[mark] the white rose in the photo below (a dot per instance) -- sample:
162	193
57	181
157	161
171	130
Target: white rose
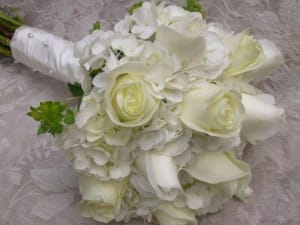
254	59
128	101
272	60
214	110
245	53
101	200
168	214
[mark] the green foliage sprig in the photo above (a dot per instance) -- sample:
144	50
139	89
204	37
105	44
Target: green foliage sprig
194	6
53	116
134	7
75	89
96	26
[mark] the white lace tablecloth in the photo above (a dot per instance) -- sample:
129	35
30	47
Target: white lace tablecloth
37	186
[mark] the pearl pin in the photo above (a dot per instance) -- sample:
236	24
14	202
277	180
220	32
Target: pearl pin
45	43
30	35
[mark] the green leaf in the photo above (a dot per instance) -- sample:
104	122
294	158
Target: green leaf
75	89
95	72
69	117
57	129
42	130
134	7
194	6
96	26
51	116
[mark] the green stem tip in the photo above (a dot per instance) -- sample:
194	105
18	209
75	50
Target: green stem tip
4	41
5	51
9	20
8	25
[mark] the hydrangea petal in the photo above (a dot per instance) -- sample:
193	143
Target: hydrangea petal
186	48
94	189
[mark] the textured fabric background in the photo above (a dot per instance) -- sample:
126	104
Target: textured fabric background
37	186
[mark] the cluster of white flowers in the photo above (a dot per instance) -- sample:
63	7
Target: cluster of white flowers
162	130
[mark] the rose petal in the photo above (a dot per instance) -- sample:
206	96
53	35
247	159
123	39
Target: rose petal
162	174
215	167
263	119
273	59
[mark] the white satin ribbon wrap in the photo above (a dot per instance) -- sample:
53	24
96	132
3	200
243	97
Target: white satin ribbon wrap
48	54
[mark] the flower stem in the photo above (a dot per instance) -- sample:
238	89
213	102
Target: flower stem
8	25
5	51
8	22
6	32
68	99
4	41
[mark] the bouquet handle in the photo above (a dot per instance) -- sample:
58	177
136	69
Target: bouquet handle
47	53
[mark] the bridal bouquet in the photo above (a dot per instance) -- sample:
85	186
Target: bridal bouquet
166	105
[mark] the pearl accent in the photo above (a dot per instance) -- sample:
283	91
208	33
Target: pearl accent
45	43
30	35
